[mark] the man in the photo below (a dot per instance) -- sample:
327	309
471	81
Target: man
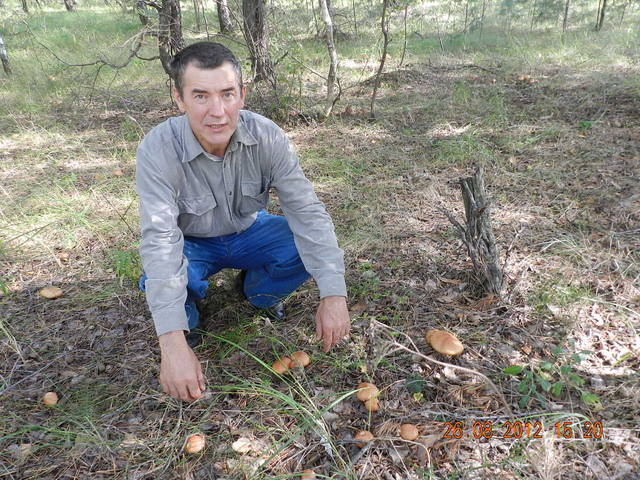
203	180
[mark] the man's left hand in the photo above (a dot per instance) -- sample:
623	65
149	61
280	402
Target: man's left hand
332	321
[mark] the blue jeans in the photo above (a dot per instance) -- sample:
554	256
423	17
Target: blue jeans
265	250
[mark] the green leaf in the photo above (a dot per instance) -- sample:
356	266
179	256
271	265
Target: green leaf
557	389
415	384
513	370
546	365
576	379
565	370
524	386
541	399
590	399
544	383
524	401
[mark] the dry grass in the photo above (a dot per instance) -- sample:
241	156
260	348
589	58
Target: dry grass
565	203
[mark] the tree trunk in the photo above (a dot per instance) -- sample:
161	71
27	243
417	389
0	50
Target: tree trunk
333	55
169	31
601	16
25	7
533	15
143	11
484	5
564	19
385	32
196	14
355	18
70	5
4	58
224	18
404	44
255	34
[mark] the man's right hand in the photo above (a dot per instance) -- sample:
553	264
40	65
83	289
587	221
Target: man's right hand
180	372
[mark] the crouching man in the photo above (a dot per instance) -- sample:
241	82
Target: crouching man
203	181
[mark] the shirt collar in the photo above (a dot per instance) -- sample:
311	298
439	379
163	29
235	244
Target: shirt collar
192	147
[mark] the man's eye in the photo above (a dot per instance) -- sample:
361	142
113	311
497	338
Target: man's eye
228	94
199	97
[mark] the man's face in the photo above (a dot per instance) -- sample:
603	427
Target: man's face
212	99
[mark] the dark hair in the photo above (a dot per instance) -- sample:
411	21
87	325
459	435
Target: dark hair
207	55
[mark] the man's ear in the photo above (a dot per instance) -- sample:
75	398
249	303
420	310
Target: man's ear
178	99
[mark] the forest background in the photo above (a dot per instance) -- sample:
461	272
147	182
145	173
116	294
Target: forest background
389	105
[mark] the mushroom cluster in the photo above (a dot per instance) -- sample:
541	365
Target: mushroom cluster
284	364
368	394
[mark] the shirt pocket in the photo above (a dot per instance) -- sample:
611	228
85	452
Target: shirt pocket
255	196
196	215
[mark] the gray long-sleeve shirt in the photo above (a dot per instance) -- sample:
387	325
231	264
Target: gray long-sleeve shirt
185	191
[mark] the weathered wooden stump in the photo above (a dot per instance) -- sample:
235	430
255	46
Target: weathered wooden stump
477	235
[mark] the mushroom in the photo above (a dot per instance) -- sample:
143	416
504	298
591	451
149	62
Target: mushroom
281	366
50	399
194	443
308	474
51	292
300	359
409	431
444	342
367	391
363	437
373	405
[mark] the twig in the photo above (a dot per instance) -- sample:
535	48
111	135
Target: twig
443	364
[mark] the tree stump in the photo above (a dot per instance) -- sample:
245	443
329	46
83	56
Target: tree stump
478	234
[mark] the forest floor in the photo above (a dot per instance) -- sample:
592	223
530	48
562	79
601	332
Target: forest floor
561	153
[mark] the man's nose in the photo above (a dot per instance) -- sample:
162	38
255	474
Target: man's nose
215	107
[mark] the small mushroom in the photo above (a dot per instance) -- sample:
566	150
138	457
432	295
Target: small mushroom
367	391
373	405
194	443
308	474
363	437
409	431
51	292
281	366
50	399
300	359
444	342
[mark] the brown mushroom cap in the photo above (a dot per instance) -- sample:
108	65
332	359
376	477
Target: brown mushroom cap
281	366
363	436
409	431
373	405
444	342
366	391
50	399
308	475
194	443
51	292
300	359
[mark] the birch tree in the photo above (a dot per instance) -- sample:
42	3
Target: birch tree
4	58
333	56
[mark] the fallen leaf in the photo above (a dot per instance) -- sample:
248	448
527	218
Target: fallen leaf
485	303
358	308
